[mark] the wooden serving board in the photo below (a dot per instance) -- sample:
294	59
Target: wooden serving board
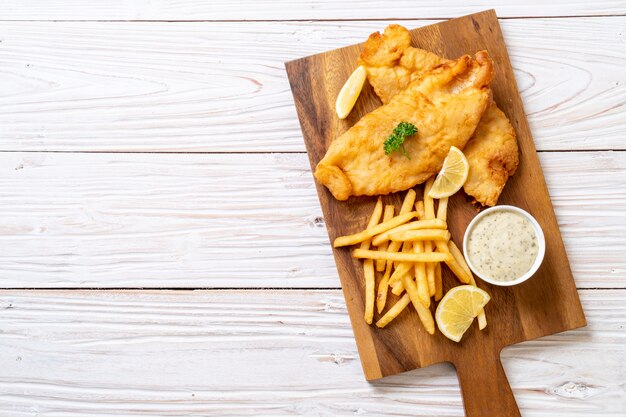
547	303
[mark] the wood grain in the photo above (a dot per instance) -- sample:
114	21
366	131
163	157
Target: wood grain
544	305
166	220
123	220
221	87
267	353
292	9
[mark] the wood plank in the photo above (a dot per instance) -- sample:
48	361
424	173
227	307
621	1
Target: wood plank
294	9
544	305
85	86
162	220
267	353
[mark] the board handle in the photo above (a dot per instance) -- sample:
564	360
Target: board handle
485	388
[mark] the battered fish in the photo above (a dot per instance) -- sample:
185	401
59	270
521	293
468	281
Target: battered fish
392	64
445	105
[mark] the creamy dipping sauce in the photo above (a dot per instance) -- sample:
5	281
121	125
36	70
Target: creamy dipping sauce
502	245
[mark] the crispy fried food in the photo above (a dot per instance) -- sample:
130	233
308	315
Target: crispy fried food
410	266
429	213
404	257
420	276
370	289
368	265
492	155
420	235
445	105
407	206
442	209
388	215
383	288
394	311
454	266
373	231
392	64
416	225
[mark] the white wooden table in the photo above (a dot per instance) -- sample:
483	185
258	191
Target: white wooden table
162	250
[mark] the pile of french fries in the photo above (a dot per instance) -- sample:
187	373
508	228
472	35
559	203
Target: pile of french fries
410	248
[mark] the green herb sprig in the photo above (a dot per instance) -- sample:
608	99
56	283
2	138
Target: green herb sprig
396	140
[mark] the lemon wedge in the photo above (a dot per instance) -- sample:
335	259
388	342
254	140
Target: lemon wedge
350	92
458	308
452	175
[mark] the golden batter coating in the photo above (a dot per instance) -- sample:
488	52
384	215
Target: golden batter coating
392	64
445	105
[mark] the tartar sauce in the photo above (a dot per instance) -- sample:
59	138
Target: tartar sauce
502	245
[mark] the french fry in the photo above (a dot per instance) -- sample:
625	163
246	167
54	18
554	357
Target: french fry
422	311
429	203
419	208
397	288
387	215
417	240
409	200
374	219
393	247
383	288
403	257
420	277
420	235
411	296
438	283
430	269
402	269
434	224
370	284
442	209
458	256
394	311
407	205
454	266
371	232
428	245
368	265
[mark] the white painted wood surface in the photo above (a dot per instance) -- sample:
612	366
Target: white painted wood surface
267	353
235	220
225	220
295	9
106	86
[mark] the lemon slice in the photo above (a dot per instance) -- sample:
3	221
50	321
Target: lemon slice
350	92
458	308
452	175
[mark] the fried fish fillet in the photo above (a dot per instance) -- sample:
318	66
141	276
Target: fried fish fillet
392	64
445	105
492	155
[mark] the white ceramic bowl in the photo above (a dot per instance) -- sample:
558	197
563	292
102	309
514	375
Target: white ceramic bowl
541	241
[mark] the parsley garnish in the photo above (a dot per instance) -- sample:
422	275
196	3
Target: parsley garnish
396	140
